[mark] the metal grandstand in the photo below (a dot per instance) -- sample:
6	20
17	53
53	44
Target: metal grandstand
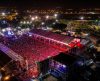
10	53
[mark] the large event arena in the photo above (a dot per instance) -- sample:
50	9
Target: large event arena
36	46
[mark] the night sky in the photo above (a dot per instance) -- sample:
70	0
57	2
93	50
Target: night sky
52	3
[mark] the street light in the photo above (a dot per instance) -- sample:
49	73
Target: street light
3	14
54	23
36	17
24	22
32	18
3	30
82	18
6	77
16	13
47	17
42	23
56	20
55	15
28	22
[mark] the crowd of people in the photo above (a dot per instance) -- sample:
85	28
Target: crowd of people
33	50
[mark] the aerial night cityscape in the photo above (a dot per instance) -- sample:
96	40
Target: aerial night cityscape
49	40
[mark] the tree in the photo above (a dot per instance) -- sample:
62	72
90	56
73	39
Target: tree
58	26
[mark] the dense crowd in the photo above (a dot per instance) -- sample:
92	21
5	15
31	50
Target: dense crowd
34	50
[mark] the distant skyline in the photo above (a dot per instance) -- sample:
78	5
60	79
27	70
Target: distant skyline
51	3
